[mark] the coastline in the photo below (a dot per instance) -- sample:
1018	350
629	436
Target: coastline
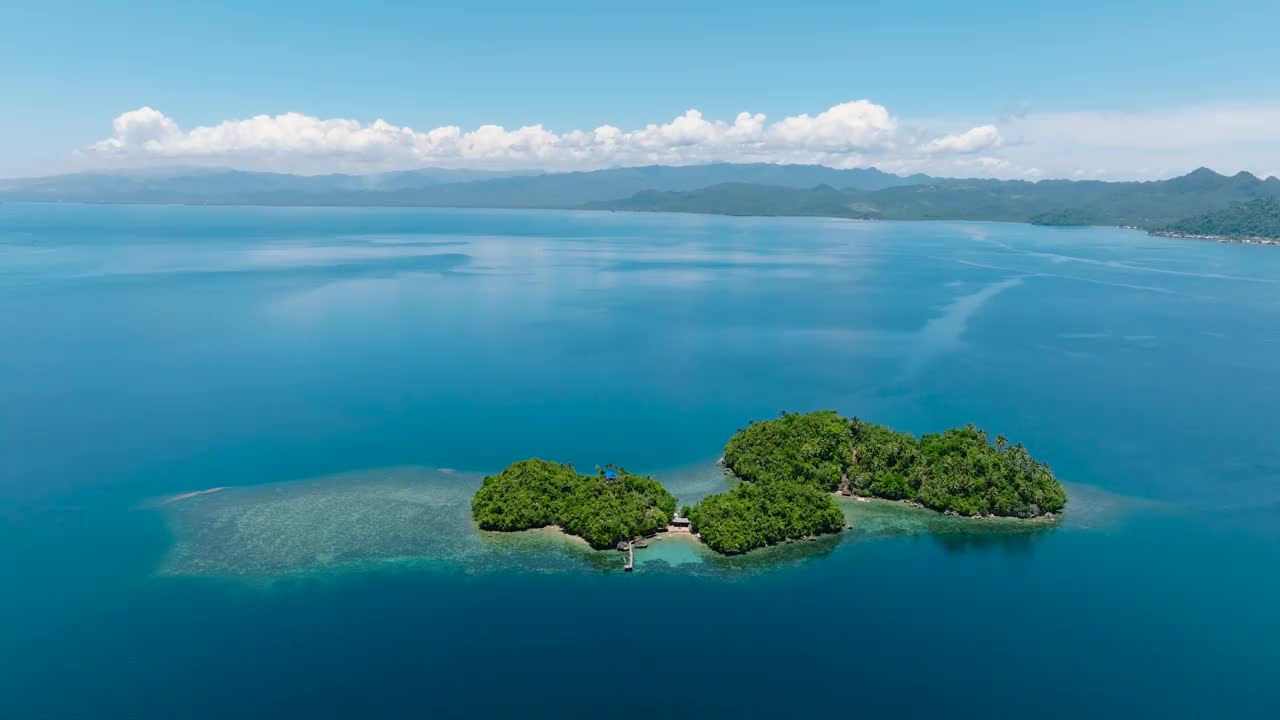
240	203
668	531
1045	518
1224	239
553	531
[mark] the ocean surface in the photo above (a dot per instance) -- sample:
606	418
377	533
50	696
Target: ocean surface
348	376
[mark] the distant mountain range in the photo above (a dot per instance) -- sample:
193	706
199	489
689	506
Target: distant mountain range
222	186
1151	205
729	189
431	187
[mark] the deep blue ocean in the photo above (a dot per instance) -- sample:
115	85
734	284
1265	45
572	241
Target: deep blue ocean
147	352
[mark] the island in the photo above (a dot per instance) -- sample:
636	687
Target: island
604	509
794	466
789	471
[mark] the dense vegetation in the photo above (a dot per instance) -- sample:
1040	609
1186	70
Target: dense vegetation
756	514
1065	218
813	447
887	462
1258	218
789	466
536	493
959	471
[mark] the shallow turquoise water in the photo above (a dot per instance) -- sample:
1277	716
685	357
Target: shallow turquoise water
316	360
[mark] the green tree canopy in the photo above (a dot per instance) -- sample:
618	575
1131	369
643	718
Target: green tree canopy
812	447
963	472
1256	218
887	462
756	514
959	470
536	493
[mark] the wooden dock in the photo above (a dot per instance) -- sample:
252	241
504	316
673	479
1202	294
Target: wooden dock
630	562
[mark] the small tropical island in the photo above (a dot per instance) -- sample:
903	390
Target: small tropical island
789	471
604	509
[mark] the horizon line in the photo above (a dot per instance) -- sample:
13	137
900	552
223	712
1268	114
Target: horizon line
539	172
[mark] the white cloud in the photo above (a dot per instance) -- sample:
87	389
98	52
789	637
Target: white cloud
852	134
983	137
845	135
142	128
861	124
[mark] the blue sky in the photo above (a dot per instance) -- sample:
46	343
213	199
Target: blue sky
940	69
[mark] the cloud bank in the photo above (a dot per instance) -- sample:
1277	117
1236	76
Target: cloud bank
850	134
858	133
